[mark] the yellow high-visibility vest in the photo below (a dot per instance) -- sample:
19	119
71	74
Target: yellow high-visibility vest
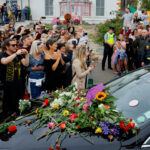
110	38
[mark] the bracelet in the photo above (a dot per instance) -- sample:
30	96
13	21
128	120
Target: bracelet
16	54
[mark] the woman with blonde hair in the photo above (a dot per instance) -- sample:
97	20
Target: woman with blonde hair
79	68
36	69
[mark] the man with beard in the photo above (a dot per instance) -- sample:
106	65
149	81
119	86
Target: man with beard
10	63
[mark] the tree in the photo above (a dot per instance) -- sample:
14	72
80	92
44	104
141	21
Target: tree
125	3
146	4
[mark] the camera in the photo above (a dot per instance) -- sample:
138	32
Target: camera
74	44
85	34
43	17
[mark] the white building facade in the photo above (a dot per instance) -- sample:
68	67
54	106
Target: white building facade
91	11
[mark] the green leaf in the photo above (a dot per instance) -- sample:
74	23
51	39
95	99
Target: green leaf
3	127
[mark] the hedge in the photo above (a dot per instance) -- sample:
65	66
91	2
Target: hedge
104	27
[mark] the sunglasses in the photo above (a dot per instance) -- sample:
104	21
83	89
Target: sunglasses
13	45
40	44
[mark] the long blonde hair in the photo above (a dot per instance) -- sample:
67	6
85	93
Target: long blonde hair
80	54
34	48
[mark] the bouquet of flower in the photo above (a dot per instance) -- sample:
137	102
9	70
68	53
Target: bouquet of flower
73	111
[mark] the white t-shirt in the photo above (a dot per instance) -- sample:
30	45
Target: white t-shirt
123	43
145	18
127	18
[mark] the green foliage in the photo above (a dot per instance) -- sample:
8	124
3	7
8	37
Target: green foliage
24	105
146	4
48	26
103	28
73	115
4	127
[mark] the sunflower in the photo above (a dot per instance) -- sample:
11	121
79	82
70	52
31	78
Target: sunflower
100	96
65	113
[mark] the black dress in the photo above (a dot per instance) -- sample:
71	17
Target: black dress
53	79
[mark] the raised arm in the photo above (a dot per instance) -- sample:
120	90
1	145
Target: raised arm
10	58
25	61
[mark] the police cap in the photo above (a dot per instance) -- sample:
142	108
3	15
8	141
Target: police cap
112	28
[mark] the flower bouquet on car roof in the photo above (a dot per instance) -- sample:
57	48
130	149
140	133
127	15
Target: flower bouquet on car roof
71	111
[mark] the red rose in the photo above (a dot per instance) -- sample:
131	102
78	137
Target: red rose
130	120
28	122
126	128
64	22
26	96
12	128
78	127
61	88
73	117
51	148
132	124
129	125
63	126
46	101
121	125
122	122
76	105
77	98
58	147
56	142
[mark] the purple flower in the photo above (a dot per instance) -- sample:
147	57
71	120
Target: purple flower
103	124
115	132
93	91
114	125
43	93
105	130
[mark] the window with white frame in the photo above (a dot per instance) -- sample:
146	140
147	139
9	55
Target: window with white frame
100	7
49	7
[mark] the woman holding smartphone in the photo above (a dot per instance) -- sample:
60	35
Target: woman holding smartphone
79	68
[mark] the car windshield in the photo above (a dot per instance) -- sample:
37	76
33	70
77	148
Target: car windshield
133	93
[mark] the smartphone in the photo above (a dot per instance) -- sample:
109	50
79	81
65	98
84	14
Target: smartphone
43	17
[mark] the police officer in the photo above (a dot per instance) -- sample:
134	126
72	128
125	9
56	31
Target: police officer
108	47
146	54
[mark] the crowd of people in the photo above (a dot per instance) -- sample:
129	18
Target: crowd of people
13	14
33	60
131	50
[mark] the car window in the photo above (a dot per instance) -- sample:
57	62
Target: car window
134	87
121	82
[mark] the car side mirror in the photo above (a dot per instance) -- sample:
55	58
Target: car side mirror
146	144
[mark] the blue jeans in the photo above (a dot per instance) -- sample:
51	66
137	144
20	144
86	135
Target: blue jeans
35	90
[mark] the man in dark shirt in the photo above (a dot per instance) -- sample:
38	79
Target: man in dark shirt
10	64
139	44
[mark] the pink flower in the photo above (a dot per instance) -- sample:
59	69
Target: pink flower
73	117
85	106
79	91
44	105
51	125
